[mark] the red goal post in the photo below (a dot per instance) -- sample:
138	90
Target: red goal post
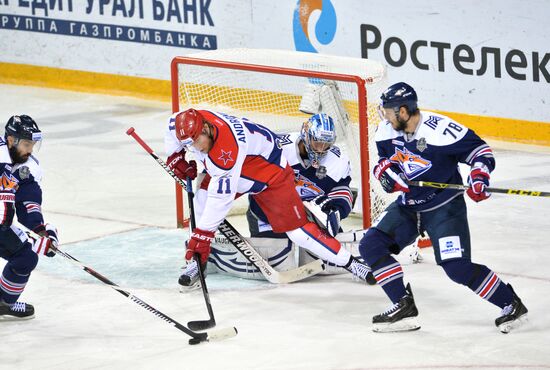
241	83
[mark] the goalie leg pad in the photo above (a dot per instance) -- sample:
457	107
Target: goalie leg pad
225	259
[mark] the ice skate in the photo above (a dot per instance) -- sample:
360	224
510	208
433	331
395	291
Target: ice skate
399	317
16	311
190	279
512	316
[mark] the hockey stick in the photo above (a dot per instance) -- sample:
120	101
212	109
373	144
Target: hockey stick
196	338
238	241
211	322
440	185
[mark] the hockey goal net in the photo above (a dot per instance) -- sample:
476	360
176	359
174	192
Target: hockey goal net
274	87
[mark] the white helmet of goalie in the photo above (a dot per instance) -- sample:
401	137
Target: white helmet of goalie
318	134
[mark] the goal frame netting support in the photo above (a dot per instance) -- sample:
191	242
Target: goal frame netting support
362	118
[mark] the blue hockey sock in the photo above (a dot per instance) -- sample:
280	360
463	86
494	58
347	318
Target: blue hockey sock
491	288
389	275
481	280
11	284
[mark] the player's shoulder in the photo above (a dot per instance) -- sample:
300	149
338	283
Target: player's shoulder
337	163
289	144
4	152
31	167
385	132
440	130
225	150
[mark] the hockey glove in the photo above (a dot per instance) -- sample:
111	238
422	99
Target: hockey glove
183	169
479	181
391	181
199	243
49	231
42	246
325	214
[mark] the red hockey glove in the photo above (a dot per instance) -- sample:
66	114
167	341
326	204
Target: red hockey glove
183	169
391	181
479	181
199	243
42	246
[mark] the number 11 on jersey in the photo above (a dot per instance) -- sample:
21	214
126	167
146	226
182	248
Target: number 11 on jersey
221	186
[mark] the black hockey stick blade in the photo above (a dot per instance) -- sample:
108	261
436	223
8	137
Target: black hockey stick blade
199	325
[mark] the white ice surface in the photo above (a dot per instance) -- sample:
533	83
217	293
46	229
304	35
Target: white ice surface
114	208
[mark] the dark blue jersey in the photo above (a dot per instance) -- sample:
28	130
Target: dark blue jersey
22	182
432	154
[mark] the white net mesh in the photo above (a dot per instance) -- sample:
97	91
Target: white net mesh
274	98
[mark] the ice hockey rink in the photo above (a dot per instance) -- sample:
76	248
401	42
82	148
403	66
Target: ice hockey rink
114	208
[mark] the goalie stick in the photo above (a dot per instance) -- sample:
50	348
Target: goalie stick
195	337
238	241
440	185
211	322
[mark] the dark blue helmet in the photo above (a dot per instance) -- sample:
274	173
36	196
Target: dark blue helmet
23	127
398	95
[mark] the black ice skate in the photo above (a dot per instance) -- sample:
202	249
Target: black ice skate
512	316
399	317
190	279
361	271
16	311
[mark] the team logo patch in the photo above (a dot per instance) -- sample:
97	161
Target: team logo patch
306	188
411	164
421	144
8	182
225	157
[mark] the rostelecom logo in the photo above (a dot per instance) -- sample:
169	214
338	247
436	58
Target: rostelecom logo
325	28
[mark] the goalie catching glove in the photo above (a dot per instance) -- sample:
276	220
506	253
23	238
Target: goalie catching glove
181	168
391	181
46	239
325	214
199	243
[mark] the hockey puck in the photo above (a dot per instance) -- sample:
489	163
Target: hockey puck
194	341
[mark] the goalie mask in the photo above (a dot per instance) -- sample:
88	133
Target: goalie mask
318	134
27	137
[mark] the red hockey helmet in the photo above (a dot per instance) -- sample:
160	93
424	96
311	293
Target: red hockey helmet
189	125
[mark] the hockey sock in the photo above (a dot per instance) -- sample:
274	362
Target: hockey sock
389	275
481	280
11	285
374	248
